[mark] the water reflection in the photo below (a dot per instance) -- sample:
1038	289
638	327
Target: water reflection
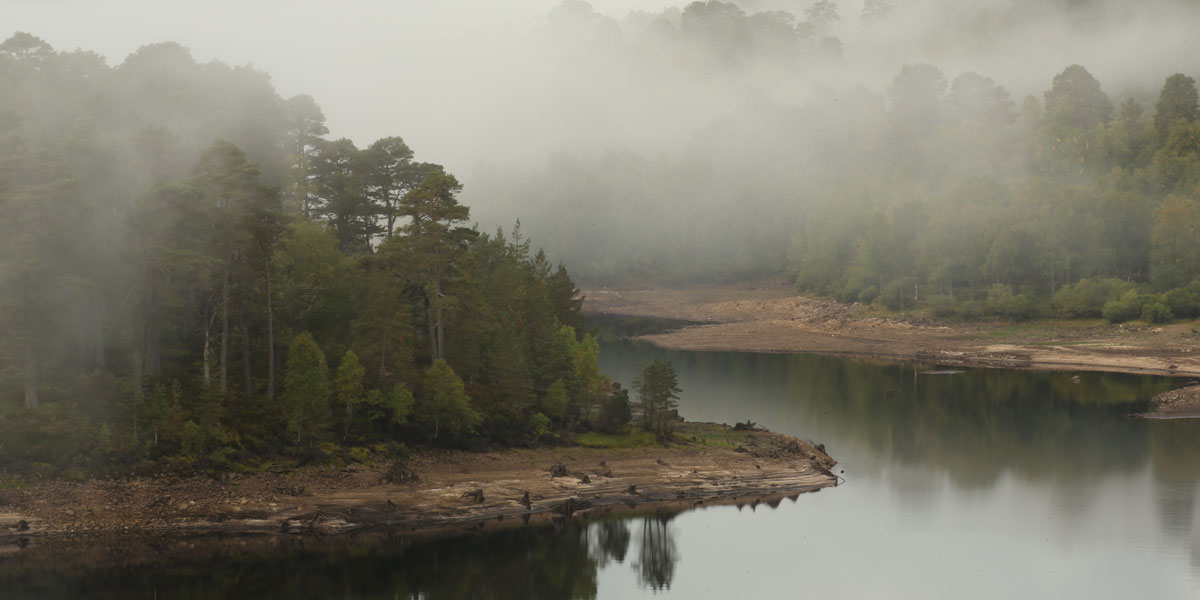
1064	435
976	426
556	561
656	553
980	484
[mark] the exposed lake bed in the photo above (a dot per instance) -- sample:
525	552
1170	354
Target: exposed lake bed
772	318
708	462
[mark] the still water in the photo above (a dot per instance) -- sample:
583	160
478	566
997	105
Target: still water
974	484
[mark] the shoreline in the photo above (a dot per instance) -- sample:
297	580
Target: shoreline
713	464
774	319
1183	403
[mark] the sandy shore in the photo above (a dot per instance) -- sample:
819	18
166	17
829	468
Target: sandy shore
775	319
452	489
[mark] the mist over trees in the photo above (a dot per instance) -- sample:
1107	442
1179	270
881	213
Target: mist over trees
920	187
195	276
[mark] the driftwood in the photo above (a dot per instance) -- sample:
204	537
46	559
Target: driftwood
571	505
558	470
476	495
400	473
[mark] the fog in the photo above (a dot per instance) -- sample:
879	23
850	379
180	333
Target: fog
572	116
464	79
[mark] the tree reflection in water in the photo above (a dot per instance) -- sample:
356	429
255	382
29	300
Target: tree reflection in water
656	553
556	561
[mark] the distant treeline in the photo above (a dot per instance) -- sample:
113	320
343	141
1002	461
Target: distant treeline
168	299
1089	207
940	189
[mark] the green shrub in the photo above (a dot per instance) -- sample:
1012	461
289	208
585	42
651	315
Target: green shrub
1156	312
849	293
1087	297
193	439
898	294
1003	303
554	403
1128	308
539	427
615	413
868	295
941	306
1183	302
969	310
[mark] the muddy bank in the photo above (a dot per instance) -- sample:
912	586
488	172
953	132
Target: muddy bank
1183	403
712	463
774	319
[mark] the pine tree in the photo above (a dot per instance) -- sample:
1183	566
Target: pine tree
657	387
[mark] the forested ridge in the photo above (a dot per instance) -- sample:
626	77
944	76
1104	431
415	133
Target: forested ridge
915	187
194	275
1086	206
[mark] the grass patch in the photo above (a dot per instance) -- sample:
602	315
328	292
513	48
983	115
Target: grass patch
14	484
709	435
635	438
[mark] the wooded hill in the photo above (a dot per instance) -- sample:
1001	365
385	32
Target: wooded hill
192	274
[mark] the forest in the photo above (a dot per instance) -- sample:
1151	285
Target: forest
195	276
914	188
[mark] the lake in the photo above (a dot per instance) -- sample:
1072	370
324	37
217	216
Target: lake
958	483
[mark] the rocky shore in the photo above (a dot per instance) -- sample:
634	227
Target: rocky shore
709	463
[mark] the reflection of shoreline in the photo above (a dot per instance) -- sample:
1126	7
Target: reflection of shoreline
561	555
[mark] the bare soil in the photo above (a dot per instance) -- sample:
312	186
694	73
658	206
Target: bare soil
452	489
772	318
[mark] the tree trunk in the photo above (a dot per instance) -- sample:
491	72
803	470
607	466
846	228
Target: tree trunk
247	382
440	327
207	355
98	358
270	330
31	365
138	391
383	372
153	336
433	349
224	365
